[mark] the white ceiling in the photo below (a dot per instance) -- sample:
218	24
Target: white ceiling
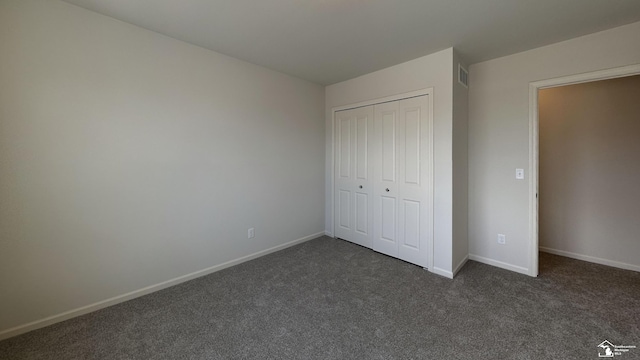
328	41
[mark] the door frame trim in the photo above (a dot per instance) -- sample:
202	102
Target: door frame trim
534	145
397	97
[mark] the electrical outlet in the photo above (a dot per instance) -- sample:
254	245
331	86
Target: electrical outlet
251	233
502	239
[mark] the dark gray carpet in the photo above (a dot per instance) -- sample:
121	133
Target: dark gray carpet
329	299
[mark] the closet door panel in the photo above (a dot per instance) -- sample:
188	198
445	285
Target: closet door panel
363	209
388	125
344	146
363	170
385	192
362	145
413	176
411	216
343	169
344	210
388	212
362	214
354	172
412	156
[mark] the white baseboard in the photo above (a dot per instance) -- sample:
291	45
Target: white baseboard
460	265
442	272
328	233
500	264
21	329
592	259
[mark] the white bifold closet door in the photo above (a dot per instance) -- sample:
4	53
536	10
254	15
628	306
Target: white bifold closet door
354	215
383	196
401	178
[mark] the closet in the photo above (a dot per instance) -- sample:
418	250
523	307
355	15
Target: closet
383	177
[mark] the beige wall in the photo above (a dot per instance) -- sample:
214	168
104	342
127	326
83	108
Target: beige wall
429	71
128	159
590	171
499	135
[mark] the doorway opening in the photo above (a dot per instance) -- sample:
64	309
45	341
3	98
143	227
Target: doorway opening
587	154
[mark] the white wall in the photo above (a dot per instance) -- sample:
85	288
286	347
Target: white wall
589	171
460	167
128	158
429	71
499	134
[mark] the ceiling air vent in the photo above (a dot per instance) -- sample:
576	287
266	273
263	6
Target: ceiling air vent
463	76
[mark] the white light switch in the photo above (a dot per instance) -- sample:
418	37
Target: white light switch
520	174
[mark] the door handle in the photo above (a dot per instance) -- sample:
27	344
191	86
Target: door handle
387	189
360	186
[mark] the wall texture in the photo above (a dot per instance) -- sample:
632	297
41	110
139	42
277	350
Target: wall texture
128	158
429	71
499	135
589	170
